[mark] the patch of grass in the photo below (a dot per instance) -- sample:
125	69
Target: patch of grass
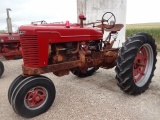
150	28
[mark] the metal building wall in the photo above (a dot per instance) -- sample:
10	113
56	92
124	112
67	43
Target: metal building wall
94	9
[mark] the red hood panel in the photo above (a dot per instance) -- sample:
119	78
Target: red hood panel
60	33
6	37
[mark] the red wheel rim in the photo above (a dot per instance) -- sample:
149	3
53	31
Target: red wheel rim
140	63
36	97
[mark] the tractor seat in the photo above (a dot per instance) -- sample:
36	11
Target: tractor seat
117	27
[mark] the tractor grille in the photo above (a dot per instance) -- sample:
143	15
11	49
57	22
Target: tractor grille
29	46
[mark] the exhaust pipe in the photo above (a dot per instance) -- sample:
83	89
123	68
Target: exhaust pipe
9	23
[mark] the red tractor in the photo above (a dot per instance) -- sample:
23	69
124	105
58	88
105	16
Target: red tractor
9	44
81	49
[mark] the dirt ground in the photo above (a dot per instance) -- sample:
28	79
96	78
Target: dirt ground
94	98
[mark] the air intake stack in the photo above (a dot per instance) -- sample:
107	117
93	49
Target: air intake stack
9	23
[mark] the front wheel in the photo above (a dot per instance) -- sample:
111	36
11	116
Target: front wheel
32	96
136	63
1	68
13	85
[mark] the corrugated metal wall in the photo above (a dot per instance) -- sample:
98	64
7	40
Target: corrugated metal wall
94	9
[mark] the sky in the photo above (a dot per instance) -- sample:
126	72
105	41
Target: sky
143	11
26	11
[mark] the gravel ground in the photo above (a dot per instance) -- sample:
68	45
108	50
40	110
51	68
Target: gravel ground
94	98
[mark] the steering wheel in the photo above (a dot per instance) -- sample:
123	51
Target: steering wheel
109	20
43	22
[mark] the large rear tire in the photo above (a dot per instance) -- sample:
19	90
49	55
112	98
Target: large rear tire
91	70
136	63
79	73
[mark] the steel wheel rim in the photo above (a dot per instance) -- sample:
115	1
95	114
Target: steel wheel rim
35	98
143	65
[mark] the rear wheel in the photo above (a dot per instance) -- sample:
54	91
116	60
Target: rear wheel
17	57
33	96
1	68
136	63
90	71
9	57
93	46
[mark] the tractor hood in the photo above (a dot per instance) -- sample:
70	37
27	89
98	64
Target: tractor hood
6	37
61	32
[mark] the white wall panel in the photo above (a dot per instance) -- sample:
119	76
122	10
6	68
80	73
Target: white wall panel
94	9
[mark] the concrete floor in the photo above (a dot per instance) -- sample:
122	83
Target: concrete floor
94	98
